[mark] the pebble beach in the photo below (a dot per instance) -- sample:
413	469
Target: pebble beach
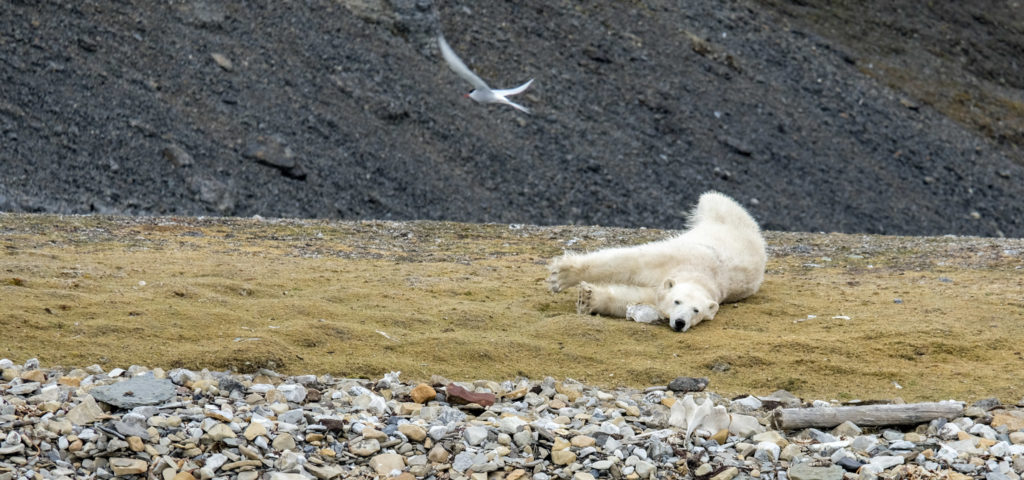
97	423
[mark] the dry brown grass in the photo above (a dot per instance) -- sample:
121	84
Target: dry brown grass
469	301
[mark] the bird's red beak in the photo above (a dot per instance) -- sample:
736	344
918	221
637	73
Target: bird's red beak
466	95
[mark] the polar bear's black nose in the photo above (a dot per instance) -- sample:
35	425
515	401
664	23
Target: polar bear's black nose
677	326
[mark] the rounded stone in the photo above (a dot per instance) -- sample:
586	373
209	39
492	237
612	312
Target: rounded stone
386	463
135	444
1017	438
128	466
364	447
413	432
582	441
283	442
563	457
220	432
423	393
255	429
438	454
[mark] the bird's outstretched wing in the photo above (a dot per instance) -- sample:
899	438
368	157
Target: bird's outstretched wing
513	91
518	106
455	63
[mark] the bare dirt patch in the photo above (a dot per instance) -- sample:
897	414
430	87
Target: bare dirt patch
839	316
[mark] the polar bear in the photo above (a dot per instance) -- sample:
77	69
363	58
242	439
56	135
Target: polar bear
719	258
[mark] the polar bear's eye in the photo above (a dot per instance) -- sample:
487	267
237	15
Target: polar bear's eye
678	302
696	310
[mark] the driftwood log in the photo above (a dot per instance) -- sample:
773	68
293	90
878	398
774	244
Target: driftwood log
864	416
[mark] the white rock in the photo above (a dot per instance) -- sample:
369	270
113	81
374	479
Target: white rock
601	465
215	461
24	388
12	450
871	470
609	428
767	452
475	435
644	469
964	423
821	447
12	438
293	392
841	454
463	461
749	402
864	443
372	403
261	388
1000	449
949	431
980	430
324	472
772	436
790	452
49	393
437	432
969	446
947	454
511	425
886	461
821	437
745	426
290	461
285	476
892	435
902	445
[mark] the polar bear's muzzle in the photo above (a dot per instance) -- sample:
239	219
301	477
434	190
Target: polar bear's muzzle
679	324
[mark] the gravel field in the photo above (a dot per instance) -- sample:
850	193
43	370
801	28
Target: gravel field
183	425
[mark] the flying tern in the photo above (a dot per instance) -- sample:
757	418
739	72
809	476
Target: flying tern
481	93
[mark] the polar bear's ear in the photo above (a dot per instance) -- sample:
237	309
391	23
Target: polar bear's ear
712	310
669	283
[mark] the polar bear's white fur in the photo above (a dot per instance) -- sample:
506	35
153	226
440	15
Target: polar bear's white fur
719	258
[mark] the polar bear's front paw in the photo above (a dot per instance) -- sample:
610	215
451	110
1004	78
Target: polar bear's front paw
563	274
584	305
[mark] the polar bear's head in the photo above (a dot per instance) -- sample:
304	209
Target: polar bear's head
685	304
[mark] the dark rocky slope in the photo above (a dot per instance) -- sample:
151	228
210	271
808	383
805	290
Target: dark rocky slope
344	109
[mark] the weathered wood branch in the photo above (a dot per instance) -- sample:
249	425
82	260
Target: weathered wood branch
864	416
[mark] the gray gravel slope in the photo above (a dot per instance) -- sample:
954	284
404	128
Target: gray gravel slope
344	109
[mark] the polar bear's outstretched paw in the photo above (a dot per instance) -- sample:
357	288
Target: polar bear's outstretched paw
583	301
564	274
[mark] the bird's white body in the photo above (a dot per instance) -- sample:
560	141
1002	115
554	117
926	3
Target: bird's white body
481	93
